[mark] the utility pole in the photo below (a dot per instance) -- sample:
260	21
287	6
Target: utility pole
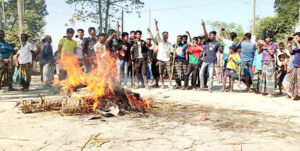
122	20
20	4
1	19
253	20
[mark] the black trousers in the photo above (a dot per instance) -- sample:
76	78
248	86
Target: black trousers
192	68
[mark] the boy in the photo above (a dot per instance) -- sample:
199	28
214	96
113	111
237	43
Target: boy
282	70
194	61
232	61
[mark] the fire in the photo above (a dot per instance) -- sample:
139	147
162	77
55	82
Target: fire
101	81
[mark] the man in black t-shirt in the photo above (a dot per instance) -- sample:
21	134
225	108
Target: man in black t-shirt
88	50
123	55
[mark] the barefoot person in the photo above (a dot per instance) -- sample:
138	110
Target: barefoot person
210	50
267	82
247	55
5	51
231	66
24	62
163	56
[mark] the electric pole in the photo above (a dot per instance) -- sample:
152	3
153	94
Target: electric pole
20	4
253	20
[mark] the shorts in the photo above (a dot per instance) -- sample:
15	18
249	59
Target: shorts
164	64
230	72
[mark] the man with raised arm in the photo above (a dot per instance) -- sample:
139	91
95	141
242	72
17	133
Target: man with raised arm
163	56
210	50
123	54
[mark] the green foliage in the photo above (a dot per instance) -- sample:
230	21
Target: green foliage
34	20
101	11
229	27
216	25
281	26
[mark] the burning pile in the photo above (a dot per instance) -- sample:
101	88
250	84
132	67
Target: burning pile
90	92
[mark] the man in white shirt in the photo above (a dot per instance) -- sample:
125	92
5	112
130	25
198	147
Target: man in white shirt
79	41
163	55
24	62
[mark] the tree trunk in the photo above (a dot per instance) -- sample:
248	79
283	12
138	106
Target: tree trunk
106	16
100	16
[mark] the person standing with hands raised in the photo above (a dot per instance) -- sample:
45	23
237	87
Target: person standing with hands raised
210	50
163	55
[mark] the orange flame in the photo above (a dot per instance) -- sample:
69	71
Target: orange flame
101	81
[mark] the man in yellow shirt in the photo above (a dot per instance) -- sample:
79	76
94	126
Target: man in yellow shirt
66	46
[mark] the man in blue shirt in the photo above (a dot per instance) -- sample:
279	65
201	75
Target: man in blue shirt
180	61
247	55
210	50
5	51
47	62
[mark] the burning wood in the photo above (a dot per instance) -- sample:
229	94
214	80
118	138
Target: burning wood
93	92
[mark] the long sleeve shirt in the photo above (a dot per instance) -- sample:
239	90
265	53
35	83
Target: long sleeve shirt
47	55
5	50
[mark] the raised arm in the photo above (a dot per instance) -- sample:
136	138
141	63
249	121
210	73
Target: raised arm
110	38
241	40
220	34
204	30
188	33
118	30
226	34
151	36
157	31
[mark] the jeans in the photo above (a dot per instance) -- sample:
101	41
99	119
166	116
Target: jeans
247	69
122	67
211	68
149	71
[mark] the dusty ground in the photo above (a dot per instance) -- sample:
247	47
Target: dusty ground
235	121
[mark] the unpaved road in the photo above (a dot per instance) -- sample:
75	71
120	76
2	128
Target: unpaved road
235	121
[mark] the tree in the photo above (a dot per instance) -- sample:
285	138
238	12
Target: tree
34	20
229	27
98	10
281	25
216	25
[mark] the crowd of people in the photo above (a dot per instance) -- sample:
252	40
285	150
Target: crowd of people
193	63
